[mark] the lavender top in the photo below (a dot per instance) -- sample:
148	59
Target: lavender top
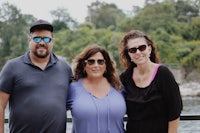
93	115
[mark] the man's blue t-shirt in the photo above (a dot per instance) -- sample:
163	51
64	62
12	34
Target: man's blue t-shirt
37	97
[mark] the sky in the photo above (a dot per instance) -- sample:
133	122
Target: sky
76	8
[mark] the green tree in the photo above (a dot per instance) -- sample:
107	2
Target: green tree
192	30
62	19
185	9
190	57
13	32
103	15
69	43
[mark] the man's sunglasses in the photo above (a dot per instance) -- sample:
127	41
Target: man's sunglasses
92	61
134	50
38	39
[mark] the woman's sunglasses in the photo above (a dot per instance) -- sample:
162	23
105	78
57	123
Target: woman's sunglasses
92	61
38	39
140	48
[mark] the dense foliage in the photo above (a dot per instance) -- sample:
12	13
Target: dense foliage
174	25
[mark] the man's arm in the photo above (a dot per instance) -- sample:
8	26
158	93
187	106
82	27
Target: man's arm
4	97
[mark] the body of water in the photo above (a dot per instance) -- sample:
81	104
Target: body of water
191	106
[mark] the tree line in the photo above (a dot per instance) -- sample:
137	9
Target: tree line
174	25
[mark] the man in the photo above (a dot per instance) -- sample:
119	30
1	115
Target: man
35	84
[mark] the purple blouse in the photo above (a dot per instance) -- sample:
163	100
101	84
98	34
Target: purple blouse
94	115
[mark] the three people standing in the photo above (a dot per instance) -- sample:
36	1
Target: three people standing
36	84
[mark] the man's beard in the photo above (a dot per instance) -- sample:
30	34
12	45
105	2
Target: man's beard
41	55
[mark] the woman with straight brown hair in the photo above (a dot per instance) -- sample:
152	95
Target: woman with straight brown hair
153	98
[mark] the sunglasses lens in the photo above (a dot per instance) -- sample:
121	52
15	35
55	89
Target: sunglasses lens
92	61
101	61
37	39
142	47
134	50
47	39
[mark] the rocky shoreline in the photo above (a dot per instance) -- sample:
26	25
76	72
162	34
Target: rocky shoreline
190	89
190	84
181	77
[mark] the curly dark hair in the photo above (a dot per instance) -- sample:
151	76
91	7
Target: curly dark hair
123	50
111	72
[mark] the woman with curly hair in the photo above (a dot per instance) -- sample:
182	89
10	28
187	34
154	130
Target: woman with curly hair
94	98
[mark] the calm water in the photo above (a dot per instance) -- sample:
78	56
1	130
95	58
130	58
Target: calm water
191	106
